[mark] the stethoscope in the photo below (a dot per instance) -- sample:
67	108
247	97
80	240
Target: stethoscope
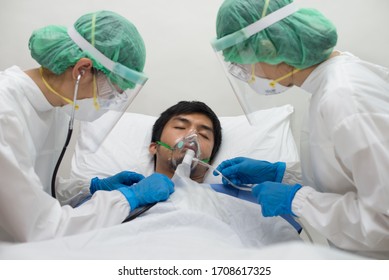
137	212
68	137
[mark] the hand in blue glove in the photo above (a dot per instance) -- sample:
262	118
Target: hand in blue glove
275	198
157	187
243	170
122	179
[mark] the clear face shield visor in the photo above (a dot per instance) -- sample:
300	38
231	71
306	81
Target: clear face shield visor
109	96
251	90
109	102
247	80
102	113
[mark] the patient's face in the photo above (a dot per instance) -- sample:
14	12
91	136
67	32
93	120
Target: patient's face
177	128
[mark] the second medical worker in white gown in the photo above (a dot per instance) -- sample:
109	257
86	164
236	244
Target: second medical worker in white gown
268	46
86	70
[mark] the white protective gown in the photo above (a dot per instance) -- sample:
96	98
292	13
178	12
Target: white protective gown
345	155
32	133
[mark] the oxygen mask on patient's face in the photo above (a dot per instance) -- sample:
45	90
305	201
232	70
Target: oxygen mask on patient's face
178	151
181	146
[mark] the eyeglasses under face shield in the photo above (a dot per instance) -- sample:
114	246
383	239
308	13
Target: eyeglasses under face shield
240	71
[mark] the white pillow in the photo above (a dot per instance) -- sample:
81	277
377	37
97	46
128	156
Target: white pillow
126	147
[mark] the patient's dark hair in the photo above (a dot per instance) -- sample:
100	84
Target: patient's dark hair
186	108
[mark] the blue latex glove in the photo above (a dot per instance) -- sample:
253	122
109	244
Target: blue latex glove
241	170
122	179
275	198
249	197
157	187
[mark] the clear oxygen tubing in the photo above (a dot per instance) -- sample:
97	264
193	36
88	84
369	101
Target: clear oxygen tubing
68	137
242	187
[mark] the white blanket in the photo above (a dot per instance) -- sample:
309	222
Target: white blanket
195	223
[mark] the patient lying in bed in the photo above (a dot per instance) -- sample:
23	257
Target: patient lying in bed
193	125
195	222
187	125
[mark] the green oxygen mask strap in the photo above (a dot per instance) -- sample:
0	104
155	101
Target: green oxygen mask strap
164	145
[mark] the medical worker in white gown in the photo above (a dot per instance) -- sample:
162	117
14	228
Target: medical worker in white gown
267	47
86	70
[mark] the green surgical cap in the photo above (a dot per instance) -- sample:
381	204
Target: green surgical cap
302	39
111	34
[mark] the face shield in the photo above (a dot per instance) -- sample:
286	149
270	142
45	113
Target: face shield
109	101
247	80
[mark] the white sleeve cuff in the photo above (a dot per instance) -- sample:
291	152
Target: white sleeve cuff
292	173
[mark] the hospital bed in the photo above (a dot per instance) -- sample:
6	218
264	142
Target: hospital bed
164	234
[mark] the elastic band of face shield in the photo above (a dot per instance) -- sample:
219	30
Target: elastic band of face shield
115	67
245	33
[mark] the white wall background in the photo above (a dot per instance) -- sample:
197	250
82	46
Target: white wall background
180	62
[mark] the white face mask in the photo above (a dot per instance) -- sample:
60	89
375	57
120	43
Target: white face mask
245	72
86	110
266	87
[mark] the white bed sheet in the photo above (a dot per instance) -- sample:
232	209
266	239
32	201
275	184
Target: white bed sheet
181	228
192	223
